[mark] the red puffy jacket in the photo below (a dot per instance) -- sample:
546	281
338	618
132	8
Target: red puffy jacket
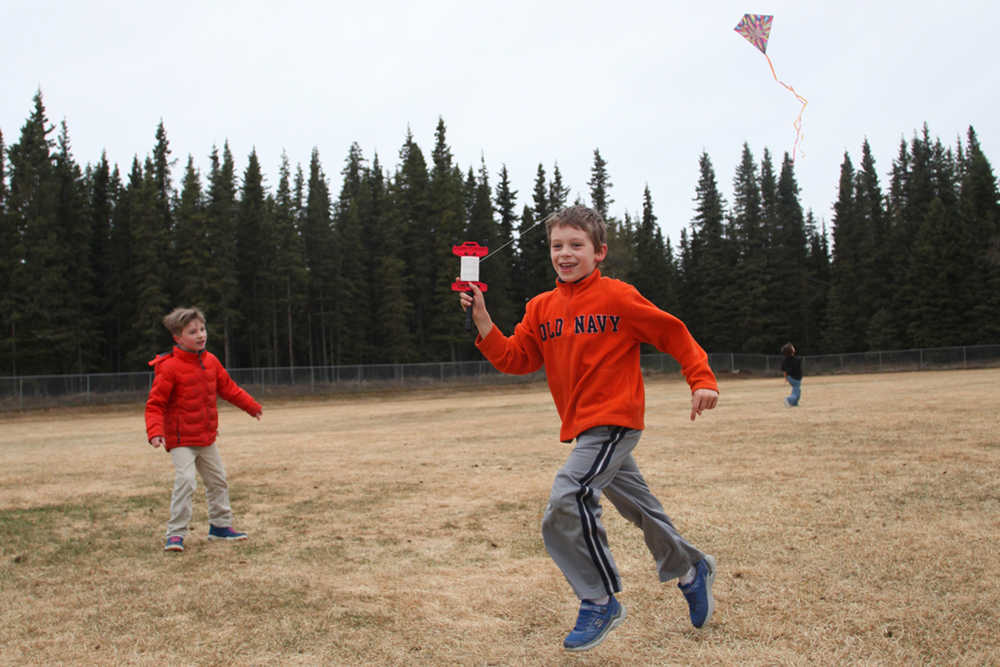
181	404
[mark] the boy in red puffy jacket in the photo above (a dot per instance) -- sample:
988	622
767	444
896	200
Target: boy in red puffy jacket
181	417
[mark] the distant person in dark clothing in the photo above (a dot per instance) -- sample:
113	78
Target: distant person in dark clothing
792	367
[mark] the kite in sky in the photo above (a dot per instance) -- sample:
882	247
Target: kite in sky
756	28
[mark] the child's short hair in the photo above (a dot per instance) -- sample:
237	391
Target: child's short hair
178	318
788	350
585	219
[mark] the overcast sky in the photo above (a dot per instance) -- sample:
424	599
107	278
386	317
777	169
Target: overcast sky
651	84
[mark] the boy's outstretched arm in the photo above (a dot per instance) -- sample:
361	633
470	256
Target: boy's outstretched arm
703	399
481	316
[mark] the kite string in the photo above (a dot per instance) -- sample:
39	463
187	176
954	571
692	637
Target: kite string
542	221
798	120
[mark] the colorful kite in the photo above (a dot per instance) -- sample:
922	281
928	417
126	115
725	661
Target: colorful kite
756	28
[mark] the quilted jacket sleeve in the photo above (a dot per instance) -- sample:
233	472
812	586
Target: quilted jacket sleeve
156	404
229	390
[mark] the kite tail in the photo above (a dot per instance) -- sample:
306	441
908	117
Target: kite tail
798	120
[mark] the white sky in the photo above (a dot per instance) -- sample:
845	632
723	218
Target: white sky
650	83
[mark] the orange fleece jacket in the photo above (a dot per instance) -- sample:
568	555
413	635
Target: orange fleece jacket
587	334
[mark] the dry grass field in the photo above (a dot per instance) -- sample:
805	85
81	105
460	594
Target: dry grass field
860	528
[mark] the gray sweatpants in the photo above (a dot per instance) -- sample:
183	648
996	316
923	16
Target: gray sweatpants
602	462
206	462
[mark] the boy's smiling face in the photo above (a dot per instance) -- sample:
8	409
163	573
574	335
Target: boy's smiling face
193	337
573	253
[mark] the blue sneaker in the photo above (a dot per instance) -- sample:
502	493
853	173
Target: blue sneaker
699	592
175	543
224	533
593	624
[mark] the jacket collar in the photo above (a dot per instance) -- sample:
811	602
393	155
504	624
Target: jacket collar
581	284
181	353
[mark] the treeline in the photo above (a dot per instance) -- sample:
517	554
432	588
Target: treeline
91	258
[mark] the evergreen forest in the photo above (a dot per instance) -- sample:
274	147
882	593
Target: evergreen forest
356	268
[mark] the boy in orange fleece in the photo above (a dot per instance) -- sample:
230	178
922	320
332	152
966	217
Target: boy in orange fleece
587	333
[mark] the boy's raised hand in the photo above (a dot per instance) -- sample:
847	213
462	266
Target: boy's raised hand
481	316
703	399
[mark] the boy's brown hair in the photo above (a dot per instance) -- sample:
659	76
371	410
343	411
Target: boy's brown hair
788	350
178	318
585	219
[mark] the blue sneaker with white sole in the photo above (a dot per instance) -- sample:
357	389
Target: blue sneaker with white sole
224	533
174	543
594	623
698	593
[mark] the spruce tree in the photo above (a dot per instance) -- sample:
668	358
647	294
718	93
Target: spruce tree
289	268
505	306
191	243
317	235
748	233
650	273
708	299
254	266
410	208
817	278
349	302
121	290
221	302
600	186
845	326
683	307
150	276
390	313
616	265
162	178
73	307
788	252
900	234
534	264
979	209
874	274
101	197
448	215
927	178
773	305
36	280
558	192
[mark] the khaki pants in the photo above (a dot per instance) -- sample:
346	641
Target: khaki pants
207	462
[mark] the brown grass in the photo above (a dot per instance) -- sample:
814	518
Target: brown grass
861	528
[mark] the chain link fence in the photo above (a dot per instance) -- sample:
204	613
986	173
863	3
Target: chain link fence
38	391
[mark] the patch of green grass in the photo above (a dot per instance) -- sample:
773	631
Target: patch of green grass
68	532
